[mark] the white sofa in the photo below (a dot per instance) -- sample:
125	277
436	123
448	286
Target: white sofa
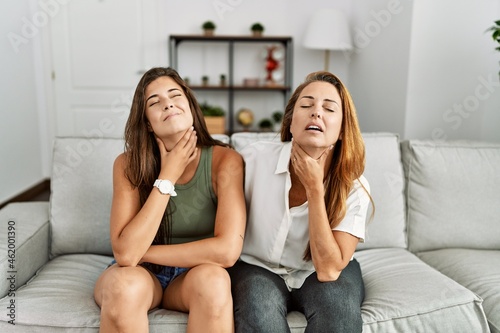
431	261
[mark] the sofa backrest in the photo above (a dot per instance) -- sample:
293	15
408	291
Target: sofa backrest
81	188
81	191
453	194
384	172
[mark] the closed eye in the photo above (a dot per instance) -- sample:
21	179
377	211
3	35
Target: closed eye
150	105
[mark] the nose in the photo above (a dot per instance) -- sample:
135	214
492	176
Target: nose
315	114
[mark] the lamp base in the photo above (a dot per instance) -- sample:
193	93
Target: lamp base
327	59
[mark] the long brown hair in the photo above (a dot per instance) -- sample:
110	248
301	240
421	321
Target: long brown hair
348	162
141	149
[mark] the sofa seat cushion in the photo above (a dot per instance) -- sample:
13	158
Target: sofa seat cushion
60	298
404	294
60	295
477	270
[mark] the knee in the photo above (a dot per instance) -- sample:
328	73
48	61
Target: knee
336	315
124	287
259	301
211	286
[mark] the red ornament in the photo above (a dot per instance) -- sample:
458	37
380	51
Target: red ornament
271	64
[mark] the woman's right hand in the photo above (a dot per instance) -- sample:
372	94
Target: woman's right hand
175	161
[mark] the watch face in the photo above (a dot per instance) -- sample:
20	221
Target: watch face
165	187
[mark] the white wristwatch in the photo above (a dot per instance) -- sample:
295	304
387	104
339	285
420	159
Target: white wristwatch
165	186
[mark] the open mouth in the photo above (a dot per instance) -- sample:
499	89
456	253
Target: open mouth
314	128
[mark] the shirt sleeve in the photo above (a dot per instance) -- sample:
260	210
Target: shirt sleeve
357	206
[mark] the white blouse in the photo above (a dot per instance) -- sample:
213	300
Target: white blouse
276	236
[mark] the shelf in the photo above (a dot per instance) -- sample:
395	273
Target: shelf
230	38
249	88
231	88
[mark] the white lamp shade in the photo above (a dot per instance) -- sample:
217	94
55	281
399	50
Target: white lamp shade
328	29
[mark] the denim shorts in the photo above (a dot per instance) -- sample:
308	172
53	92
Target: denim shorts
166	275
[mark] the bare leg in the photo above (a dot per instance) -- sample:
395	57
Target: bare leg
205	292
125	294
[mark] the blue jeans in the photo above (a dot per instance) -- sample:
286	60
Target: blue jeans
262	300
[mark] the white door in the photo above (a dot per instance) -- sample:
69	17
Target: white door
100	49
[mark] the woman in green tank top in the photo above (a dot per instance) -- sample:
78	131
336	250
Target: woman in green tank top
177	217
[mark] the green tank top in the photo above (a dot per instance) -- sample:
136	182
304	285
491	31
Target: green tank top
195	205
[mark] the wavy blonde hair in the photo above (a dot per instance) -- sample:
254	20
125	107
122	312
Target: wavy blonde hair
348	162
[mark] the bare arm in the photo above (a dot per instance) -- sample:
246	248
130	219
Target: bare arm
225	247
132	227
331	251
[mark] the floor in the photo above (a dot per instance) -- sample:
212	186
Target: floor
44	196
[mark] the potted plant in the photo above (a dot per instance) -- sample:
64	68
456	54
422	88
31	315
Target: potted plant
495	34
222	79
208	28
204	80
277	116
214	118
266	125
257	29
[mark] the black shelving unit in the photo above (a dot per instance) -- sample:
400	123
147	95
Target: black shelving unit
230	88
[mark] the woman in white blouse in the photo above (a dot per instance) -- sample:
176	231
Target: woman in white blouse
307	202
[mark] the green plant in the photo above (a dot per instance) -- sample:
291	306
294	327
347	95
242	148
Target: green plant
208	25
495	34
265	123
222	80
204	80
211	111
277	116
257	27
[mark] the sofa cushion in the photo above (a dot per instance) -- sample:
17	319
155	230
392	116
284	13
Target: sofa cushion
403	294
452	194
477	270
241	139
221	137
384	173
28	243
60	298
81	188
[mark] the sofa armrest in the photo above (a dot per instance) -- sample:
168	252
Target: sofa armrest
24	242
